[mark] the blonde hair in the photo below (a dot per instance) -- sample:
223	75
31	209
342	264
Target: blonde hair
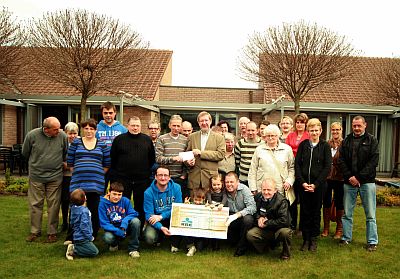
314	122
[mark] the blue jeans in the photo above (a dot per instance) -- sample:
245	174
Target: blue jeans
368	197
133	231
85	249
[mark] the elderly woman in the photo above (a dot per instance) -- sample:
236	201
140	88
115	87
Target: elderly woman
227	164
286	125
273	159
71	129
313	163
335	184
89	159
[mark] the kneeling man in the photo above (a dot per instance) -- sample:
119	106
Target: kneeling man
272	220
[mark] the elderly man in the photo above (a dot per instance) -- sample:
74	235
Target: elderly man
187	128
208	148
358	159
132	156
242	127
241	209
168	147
272	220
45	148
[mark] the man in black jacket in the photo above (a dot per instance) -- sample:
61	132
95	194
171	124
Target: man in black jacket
272	220
358	160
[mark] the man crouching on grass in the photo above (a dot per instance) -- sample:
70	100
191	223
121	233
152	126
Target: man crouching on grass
119	219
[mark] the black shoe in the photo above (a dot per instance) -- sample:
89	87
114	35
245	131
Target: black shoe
305	245
344	243
239	252
313	246
371	247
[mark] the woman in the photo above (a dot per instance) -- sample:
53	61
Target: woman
71	129
272	159
89	159
293	140
286	125
335	183
313	163
227	164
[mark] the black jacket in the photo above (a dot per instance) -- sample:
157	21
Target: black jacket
313	164
367	158
276	211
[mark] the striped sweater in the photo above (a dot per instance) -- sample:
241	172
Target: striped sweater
243	154
168	147
88	173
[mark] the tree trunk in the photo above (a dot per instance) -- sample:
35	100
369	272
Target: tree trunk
83	108
296	105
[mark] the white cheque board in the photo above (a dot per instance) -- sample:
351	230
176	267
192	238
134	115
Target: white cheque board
198	221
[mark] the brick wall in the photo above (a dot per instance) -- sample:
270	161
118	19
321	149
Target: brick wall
145	116
9	125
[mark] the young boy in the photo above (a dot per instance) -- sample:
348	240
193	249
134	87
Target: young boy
81	224
119	219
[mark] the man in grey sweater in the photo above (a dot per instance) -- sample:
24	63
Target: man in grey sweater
241	209
45	148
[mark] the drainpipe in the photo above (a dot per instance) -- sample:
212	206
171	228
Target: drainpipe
250	102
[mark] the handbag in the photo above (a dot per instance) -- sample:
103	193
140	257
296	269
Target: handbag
289	194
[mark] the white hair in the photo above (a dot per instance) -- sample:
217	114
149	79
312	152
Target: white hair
272	129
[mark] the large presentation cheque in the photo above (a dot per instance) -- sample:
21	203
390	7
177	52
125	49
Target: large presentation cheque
198	221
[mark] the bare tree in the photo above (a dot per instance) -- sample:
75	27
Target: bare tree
387	81
11	39
296	58
86	51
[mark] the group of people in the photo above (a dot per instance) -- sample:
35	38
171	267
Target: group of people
261	175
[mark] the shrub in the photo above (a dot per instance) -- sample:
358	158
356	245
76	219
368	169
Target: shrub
388	197
13	185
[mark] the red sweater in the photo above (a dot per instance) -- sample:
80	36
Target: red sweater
292	141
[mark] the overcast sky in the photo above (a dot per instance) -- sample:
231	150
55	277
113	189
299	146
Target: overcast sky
206	36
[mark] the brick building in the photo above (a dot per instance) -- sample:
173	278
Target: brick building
152	97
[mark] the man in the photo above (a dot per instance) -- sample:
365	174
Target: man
187	128
224	126
154	131
244	150
272	220
242	127
241	209
45	148
261	127
168	147
208	148
109	128
132	156
358	159
158	200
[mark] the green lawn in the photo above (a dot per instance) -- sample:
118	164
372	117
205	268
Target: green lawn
20	259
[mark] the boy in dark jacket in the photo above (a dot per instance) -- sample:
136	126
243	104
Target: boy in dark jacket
119	219
80	221
272	220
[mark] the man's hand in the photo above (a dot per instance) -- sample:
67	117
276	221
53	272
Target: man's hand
308	187
261	222
232	218
354	181
196	152
187	200
177	159
191	162
165	231
154	219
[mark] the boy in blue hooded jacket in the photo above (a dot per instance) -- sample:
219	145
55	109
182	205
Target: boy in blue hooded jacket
119	219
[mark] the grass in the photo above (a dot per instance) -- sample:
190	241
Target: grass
20	259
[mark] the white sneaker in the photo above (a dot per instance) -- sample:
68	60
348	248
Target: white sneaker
70	252
191	252
174	249
134	254
67	242
113	248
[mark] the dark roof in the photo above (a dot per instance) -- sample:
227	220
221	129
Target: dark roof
145	84
354	89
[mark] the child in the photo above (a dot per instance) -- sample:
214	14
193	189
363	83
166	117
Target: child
119	219
81	224
216	196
